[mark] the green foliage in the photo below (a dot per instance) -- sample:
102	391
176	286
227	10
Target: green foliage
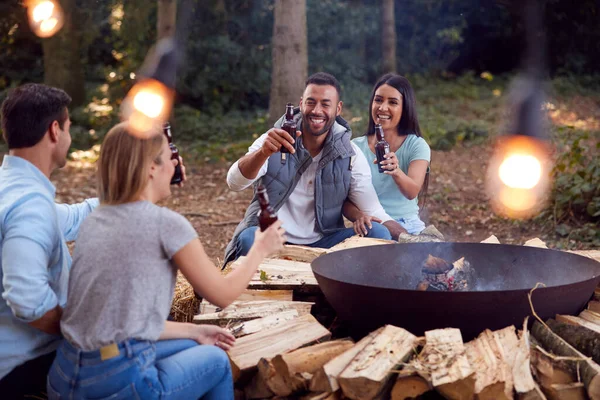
576	192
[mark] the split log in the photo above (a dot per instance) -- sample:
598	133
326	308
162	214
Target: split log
594	306
492	239
259	324
256	295
590	316
357	241
280	274
567	391
285	337
291	372
597	293
247	310
549	371
536	242
583	339
493	375
572	320
367	374
257	388
409	385
444	363
429	234
590	371
325	379
294	252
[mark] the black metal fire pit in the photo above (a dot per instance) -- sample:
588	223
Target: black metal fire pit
375	285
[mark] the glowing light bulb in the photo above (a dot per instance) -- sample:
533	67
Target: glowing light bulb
520	171
147	106
518	176
148	103
45	17
43	11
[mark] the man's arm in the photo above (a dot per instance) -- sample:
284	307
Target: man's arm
27	247
70	216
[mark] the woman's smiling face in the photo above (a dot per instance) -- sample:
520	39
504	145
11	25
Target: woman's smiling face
386	108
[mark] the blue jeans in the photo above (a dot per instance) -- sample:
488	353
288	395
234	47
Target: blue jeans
246	238
413	225
167	369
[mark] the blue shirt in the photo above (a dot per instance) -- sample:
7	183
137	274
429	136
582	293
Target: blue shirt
34	256
395	204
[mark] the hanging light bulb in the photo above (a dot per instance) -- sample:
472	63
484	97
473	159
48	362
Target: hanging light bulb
46	17
149	102
518	176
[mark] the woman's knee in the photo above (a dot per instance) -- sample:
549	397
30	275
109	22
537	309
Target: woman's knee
379	231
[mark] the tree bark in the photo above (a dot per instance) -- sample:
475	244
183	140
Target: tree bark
62	56
388	36
289	55
166	17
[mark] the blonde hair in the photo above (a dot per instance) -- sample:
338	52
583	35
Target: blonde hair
124	164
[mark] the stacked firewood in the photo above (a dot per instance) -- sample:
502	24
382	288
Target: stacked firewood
282	351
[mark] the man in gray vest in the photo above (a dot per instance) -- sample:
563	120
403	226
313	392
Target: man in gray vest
322	171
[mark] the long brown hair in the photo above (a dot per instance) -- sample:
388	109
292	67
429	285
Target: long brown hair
124	164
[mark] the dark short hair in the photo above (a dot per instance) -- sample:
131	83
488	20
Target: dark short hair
409	122
323	78
29	110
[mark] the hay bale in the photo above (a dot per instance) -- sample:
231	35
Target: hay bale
185	303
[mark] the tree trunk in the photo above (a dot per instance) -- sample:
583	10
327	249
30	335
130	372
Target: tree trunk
289	55
62	56
388	36
165	18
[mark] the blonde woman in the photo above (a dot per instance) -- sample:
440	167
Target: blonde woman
118	344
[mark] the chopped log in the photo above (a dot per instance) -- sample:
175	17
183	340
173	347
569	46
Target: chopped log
257	388
322	396
255	295
492	239
436	265
572	320
583	339
549	371
250	295
285	337
409	385
590	316
244	311
524	384
443	362
257	325
325	378
282	275
493	375
294	252
597	293
287	373
567	391
357	241
594	306
590	371
536	242
367	374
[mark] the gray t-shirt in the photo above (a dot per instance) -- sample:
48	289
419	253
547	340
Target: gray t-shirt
122	280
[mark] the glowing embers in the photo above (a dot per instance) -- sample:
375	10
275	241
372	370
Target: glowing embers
45	17
518	176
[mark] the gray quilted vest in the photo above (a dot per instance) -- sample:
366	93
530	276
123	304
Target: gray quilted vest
332	181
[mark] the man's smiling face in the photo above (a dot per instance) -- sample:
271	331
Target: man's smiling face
319	105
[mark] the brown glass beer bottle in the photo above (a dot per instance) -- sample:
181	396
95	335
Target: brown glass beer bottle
289	125
177	176
381	147
266	215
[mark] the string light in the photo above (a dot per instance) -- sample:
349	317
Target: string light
46	17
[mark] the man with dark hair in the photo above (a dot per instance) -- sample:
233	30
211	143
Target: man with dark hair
34	256
309	189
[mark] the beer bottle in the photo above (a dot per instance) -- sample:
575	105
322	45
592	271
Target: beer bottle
177	176
381	147
266	215
289	125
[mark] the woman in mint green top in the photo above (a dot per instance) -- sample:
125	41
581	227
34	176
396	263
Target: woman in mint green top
405	178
